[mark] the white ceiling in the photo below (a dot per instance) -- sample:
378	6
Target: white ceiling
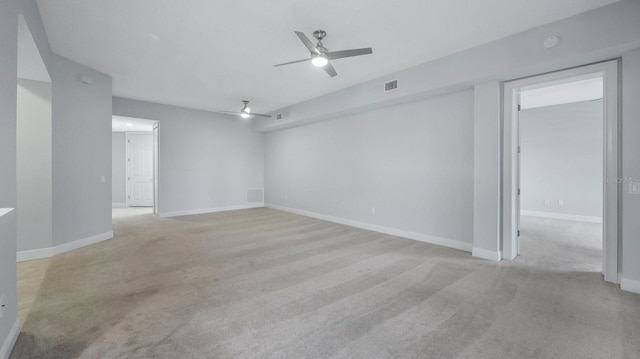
130	124
30	64
574	91
212	54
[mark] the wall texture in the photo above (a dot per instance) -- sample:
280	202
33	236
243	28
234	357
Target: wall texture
412	162
34	165
118	168
207	160
562	158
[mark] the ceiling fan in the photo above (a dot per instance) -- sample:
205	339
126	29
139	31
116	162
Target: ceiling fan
245	112
320	55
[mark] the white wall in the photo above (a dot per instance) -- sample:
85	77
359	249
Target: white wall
413	162
562	158
34	229
207	160
118	168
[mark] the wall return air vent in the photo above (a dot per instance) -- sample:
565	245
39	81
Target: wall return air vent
390	86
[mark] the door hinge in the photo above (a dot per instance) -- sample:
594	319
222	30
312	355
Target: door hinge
519	107
518	149
129	178
518	191
129	141
129	197
128	159
518	233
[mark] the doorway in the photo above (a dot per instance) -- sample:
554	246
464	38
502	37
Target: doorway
134	162
603	78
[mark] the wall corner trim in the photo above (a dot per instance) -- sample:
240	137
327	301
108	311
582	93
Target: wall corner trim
210	210
486	254
10	340
66	247
630	285
445	242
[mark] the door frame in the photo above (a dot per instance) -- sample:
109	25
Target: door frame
612	168
156	166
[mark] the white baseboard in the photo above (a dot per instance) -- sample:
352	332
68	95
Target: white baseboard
630	285
445	242
66	247
30	255
486	254
118	205
10	340
210	210
568	217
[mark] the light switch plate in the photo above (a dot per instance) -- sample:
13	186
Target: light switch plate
634	187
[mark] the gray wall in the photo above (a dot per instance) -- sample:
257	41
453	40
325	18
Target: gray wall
562	158
34	165
413	162
118	167
631	166
8	192
207	160
81	152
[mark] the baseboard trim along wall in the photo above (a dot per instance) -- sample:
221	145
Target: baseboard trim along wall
118	205
376	228
486	254
630	285
568	217
66	247
210	210
10	341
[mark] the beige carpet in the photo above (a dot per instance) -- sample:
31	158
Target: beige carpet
267	284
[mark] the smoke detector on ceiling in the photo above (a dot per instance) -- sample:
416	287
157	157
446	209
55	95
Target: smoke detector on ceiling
550	42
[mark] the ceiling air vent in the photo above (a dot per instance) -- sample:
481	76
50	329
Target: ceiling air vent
390	86
279	116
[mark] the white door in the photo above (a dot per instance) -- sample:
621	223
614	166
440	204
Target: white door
140	169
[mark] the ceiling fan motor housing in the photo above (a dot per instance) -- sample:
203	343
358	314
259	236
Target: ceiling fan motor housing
319	34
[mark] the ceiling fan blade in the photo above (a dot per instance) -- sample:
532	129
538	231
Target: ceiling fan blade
260	114
348	53
292	62
227	112
330	70
305	40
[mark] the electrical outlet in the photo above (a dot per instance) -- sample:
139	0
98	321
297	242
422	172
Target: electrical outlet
634	187
373	210
560	203
546	202
286	196
2	305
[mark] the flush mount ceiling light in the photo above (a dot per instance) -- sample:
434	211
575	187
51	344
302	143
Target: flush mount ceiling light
245	112
320	55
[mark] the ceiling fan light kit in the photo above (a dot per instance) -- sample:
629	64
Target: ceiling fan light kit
321	56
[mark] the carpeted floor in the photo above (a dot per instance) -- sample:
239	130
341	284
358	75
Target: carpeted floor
267	284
